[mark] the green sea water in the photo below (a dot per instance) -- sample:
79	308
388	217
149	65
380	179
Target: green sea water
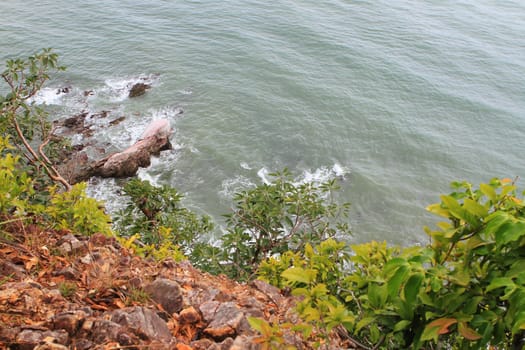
394	98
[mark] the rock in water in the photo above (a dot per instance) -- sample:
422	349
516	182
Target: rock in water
154	139
138	89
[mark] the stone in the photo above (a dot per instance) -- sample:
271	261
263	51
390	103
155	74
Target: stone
69	321
167	293
205	344
103	330
226	344
227	322
8	268
271	291
243	342
82	344
138	89
30	338
51	346
209	309
189	316
67	272
70	244
143	322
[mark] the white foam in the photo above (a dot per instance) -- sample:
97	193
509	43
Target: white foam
263	174
234	185
118	88
323	174
107	191
48	96
246	166
317	176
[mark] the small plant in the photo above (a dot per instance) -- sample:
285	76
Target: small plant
136	296
155	224
67	289
76	211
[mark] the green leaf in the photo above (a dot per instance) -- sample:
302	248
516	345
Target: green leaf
377	295
488	191
510	232
394	283
475	208
412	287
519	323
364	322
296	275
401	325
500	282
259	325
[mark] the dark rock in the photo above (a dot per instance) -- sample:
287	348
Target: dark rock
64	90
76	169
69	321
30	338
143	322
8	335
251	306
75	122
67	272
138	89
103	331
189	315
101	114
7	268
167	293
117	121
228	320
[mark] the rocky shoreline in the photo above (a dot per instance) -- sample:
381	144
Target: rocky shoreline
76	165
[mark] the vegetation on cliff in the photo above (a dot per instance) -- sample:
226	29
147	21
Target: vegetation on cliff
463	290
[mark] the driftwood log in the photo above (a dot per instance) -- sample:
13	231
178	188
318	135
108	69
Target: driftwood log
121	164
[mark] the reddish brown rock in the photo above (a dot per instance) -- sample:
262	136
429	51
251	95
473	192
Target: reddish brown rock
143	322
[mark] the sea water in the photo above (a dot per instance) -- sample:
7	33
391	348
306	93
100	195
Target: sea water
395	99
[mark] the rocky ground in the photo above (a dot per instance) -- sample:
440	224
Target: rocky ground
58	291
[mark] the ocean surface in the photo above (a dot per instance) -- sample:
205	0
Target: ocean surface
394	98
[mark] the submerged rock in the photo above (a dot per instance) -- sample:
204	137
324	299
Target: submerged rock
138	89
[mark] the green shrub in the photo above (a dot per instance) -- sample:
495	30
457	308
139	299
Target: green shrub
465	290
74	210
274	218
157	223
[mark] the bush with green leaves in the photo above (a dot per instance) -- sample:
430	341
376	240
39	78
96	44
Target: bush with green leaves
465	290
277	217
26	123
158	225
26	170
16	187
